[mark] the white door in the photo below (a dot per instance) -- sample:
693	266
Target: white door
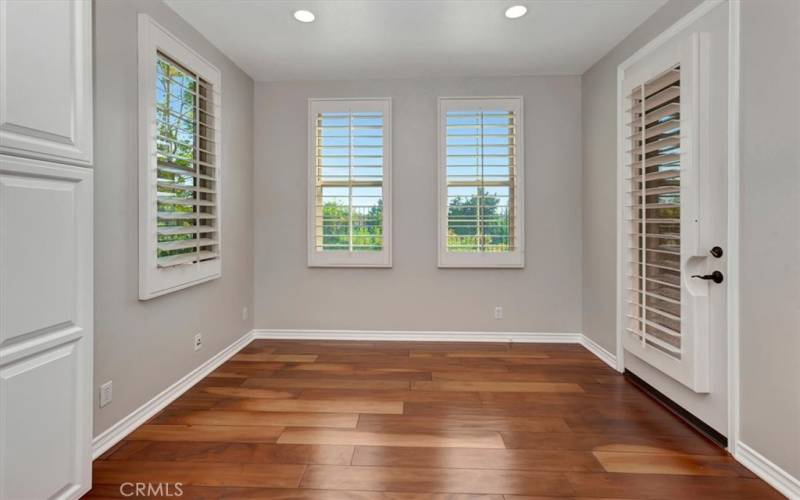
673	303
46	77
46	246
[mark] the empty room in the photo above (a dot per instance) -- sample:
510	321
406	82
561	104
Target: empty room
400	249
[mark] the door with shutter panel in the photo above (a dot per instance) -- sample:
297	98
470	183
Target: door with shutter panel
674	116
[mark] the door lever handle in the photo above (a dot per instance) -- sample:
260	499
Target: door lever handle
716	277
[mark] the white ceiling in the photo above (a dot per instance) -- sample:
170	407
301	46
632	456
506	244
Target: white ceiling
354	39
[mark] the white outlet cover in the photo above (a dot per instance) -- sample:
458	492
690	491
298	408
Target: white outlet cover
198	341
106	394
498	312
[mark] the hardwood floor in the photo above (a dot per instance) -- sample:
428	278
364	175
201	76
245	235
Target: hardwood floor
420	421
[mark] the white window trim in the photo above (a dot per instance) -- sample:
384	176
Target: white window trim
155	281
516	258
341	258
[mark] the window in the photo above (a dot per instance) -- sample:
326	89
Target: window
481	198
179	189
349	183
654	224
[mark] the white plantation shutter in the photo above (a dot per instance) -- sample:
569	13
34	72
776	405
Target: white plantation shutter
480	180
349	182
665	313
180	182
480	173
186	202
654	192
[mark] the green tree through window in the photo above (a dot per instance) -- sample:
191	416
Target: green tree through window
349	181
480	168
463	232
175	144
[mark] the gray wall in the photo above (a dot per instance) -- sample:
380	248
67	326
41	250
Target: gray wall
770	231
770	182
146	346
414	294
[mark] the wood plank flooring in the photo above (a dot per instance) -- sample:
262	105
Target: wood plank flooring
420	421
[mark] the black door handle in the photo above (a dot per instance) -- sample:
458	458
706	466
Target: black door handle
716	277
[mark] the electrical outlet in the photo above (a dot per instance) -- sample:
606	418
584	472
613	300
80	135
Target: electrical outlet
106	394
245	313
198	341
498	312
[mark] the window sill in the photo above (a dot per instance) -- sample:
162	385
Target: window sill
514	260
350	259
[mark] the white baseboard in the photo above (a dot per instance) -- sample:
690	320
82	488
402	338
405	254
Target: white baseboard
442	336
599	351
128	424
419	336
776	477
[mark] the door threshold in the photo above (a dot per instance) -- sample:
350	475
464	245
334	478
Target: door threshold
703	428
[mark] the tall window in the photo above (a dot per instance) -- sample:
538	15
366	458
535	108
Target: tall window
186	182
350	212
179	179
653	191
480	182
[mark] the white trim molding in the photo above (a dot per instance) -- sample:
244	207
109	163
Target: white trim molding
665	36
111	436
776	477
733	243
600	351
443	336
419	336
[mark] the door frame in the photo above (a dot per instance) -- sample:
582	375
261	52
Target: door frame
732	241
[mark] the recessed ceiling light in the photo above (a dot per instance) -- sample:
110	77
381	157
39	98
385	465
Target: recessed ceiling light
304	16
516	11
